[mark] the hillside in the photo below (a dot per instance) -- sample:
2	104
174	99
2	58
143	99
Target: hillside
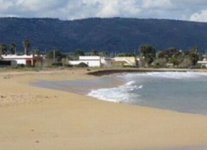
114	34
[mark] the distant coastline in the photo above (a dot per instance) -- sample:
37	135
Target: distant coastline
100	72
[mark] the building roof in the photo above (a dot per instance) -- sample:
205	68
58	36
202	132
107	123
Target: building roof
17	56
89	57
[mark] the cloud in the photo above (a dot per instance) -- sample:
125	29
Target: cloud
157	4
109	9
199	16
4	5
36	5
75	9
97	8
118	8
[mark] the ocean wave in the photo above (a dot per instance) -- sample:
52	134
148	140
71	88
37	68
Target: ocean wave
168	75
175	75
135	84
121	94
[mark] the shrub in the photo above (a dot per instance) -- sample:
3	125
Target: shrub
82	65
21	66
57	64
69	65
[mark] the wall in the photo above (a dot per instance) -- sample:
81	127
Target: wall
128	61
21	61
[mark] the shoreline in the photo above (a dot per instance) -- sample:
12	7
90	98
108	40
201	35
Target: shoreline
102	72
83	87
105	82
51	119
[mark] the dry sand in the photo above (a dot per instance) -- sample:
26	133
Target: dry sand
42	119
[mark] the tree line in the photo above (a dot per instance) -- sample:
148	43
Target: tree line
12	48
149	56
172	56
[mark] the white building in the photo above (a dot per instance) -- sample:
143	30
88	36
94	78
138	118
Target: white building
127	61
23	59
106	61
203	62
92	61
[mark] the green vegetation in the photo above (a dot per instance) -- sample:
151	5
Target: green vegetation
82	65
148	54
26	45
55	58
126	55
77	53
95	53
120	35
171	57
13	48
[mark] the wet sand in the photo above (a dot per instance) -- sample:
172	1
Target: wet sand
39	118
82	87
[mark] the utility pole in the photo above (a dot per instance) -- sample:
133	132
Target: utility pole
54	56
134	52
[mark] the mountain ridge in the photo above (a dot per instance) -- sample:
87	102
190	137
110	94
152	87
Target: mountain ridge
103	34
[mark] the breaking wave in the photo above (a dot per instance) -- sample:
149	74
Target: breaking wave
121	94
167	75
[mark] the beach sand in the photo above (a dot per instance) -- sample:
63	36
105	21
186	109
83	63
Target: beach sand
44	119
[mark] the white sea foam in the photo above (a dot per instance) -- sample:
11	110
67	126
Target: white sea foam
174	75
140	87
179	91
118	94
168	75
135	82
130	83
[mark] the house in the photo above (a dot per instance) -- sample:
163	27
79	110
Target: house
203	63
29	60
125	61
92	61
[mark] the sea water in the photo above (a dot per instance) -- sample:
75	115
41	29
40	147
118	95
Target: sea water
177	91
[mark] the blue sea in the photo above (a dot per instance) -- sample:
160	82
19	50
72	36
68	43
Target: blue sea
177	91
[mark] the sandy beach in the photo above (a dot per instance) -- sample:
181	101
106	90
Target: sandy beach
45	119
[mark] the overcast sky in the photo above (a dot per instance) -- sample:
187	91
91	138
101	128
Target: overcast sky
193	10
